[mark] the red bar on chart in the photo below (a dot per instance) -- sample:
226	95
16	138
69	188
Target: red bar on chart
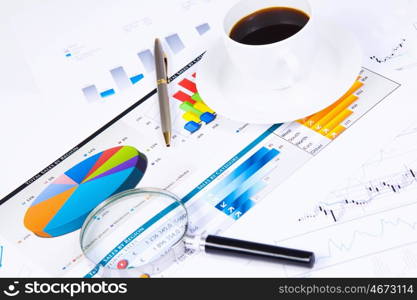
183	97
189	85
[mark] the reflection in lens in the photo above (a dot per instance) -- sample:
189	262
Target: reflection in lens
134	229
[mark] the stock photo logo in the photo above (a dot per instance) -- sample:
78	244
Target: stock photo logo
70	289
12	290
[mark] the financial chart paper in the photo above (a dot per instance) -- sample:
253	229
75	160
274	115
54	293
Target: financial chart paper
221	169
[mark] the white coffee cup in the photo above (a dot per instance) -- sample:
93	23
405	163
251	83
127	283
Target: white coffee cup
271	66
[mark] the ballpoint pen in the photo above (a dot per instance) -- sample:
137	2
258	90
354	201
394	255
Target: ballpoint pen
161	66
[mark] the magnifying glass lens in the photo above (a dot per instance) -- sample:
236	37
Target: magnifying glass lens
134	229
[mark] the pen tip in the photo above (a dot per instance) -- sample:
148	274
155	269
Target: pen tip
167	137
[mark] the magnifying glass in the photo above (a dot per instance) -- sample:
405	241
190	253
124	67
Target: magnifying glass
144	231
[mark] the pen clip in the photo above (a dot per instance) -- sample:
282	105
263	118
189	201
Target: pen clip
166	66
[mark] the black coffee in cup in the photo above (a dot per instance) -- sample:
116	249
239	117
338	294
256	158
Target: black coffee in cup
269	25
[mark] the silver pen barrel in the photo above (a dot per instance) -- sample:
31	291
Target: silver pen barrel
162	86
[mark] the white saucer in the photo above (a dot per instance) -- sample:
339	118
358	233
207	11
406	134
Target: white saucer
334	69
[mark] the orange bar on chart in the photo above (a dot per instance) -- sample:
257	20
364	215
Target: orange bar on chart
303	121
356	86
337	110
336	132
316	117
336	121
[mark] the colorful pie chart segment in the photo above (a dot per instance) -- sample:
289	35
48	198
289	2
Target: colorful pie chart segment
63	206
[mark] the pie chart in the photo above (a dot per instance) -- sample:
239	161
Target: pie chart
63	206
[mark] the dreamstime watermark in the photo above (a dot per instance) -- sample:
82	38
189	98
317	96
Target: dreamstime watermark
70	289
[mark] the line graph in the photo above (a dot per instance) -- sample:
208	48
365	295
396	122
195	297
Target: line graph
370	220
409	261
393	54
386	179
410	130
333	245
365	236
360	195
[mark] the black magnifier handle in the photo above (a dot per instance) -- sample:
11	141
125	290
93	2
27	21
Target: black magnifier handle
232	247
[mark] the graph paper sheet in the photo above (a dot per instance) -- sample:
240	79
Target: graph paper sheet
363	226
221	169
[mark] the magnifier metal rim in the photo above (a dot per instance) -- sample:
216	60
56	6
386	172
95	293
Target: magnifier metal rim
120	196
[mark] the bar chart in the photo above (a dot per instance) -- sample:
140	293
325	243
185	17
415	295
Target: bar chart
203	28
196	112
315	132
329	121
173	42
233	194
147	59
121	79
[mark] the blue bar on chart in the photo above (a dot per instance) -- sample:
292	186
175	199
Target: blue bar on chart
120	78
225	187
203	28
175	43
219	172
247	184
243	208
148	60
91	93
192	126
253	176
107	93
242	201
136	79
